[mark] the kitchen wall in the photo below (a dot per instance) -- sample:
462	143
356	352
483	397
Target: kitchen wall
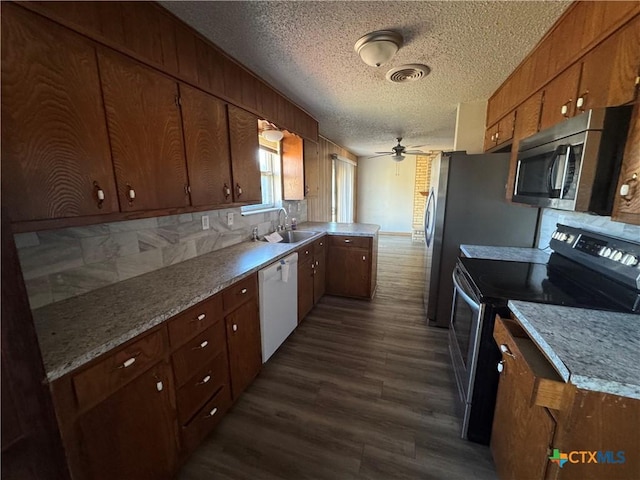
595	223
470	127
59	264
385	193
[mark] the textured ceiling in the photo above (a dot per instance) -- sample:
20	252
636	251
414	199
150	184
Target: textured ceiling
305	50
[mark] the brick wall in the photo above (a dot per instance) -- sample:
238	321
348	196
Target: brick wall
423	184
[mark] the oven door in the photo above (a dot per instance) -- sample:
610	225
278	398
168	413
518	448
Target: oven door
464	341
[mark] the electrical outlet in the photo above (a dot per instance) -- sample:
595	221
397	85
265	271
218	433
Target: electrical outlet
230	218
205	222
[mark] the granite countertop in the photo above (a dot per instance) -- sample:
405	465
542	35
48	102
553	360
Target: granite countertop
594	350
511	254
77	330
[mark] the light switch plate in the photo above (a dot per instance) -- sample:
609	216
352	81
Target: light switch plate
205	222
230	218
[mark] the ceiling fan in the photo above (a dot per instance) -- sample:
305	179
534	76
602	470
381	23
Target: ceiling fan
398	152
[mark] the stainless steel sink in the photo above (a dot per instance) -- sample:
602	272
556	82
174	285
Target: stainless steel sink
294	236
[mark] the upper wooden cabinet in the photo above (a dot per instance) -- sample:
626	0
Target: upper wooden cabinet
292	167
559	101
627	201
311	168
245	162
623	83
56	160
146	137
204	120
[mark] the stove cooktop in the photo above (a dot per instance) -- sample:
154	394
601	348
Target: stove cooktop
559	282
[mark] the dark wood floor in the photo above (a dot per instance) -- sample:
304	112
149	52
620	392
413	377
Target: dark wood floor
361	390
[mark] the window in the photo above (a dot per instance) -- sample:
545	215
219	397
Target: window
343	187
269	179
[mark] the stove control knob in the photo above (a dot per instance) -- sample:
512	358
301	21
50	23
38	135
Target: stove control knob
570	238
605	252
562	237
555	234
616	255
629	260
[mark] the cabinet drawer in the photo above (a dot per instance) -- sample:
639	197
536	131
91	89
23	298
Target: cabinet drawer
305	253
195	353
106	376
319	246
193	394
206	419
521	357
194	320
240	292
346	241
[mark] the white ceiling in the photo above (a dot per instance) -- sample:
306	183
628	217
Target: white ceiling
305	50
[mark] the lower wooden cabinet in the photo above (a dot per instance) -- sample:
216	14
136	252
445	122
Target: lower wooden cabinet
311	275
351	266
132	433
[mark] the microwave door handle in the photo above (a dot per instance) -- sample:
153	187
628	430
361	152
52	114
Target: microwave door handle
567	159
554	160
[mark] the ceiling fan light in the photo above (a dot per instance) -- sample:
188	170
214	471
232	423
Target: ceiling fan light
379	47
397	158
272	135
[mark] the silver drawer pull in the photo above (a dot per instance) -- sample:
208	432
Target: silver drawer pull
201	316
504	349
212	412
347	241
243	291
204	380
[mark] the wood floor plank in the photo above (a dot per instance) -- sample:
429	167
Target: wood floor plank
361	390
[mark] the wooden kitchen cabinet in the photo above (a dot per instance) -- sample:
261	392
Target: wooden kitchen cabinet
311	169
132	433
242	322
501	132
245	162
320	268
292	167
204	120
56	160
626	206
537	413
625	75
143	117
522	431
311	275
559	101
351	266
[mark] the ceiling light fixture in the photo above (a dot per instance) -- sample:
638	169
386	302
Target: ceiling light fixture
397	158
271	133
379	47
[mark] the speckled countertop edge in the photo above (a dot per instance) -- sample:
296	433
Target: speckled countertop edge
594	350
510	254
75	331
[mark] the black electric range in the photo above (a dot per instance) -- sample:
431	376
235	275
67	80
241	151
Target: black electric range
586	270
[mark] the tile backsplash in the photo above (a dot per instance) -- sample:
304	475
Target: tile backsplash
594	223
59	264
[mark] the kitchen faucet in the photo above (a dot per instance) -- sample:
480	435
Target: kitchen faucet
282	226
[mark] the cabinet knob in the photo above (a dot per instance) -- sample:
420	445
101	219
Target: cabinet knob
581	101
204	380
504	349
187	189
363	258
243	291
131	194
201	317
99	194
347	241
628	188
128	363
211	412
202	345
501	366
226	191
234	327
238	189
497	136
564	110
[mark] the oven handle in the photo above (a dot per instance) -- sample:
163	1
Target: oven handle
473	304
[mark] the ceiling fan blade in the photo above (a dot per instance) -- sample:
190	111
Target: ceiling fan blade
414	152
418	146
385	153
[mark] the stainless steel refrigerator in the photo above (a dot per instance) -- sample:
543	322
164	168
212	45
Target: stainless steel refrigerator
466	205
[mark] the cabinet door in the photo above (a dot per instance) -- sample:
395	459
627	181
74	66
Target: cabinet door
132	434
596	75
292	168
626	68
146	135
55	148
506	126
320	270
245	350
245	162
311	169
627	201
305	287
348	272
204	119
560	96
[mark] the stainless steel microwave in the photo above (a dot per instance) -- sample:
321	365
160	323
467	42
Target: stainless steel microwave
574	165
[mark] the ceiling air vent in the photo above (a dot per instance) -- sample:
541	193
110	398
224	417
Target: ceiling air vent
407	73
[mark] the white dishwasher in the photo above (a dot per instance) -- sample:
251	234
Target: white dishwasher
278	291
